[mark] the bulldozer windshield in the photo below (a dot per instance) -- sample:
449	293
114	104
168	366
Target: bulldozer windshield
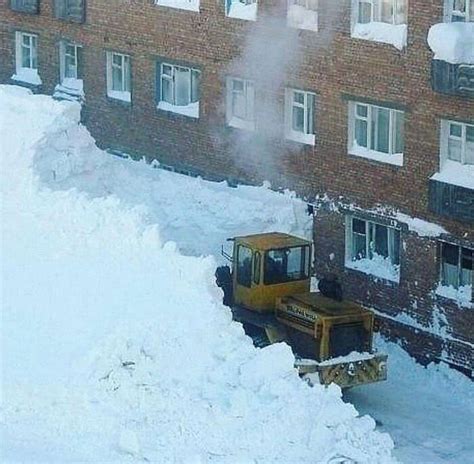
286	264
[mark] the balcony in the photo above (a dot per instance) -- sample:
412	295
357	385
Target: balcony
452	67
454	201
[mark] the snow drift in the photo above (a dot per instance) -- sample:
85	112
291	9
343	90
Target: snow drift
116	346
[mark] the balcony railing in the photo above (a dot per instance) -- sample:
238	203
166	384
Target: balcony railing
451	200
452	79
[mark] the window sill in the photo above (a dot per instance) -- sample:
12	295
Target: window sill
191	110
125	97
240	11
462	296
307	139
455	173
179	4
375	270
238	123
300	17
391	34
27	76
395	159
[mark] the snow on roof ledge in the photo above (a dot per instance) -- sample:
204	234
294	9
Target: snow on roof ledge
392	34
452	42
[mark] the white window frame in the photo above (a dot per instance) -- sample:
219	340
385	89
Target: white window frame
248	94
376	11
307	25
392	157
240	12
191	109
446	137
449	12
392	234
32	47
308	136
125	93
63	45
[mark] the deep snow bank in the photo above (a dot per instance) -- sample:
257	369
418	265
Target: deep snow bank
116	346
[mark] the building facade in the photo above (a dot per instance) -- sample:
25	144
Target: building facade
364	107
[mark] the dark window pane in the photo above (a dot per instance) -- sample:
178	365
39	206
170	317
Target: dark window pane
358	226
244	266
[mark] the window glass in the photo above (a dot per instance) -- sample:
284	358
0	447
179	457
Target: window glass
310	113
365	12
182	86
361	132
399	132
469	145
298	119
359	250
379	243
244	266
382	130
286	265
117	77
195	85
386	11
70	62
257	261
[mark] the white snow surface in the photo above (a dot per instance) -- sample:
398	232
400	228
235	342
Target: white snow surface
240	10
393	34
116	346
28	76
302	18
191	110
452	42
190	5
455	173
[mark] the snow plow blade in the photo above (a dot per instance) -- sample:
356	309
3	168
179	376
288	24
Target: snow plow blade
345	373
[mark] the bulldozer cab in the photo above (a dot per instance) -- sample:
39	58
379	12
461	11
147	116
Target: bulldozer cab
268	266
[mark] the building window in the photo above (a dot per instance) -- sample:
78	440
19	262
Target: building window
460	10
241	9
25	6
456	273
380	21
70	10
373	248
376	132
70	67
179	90
240	103
26	59
299	115
119	77
191	5
303	14
459	142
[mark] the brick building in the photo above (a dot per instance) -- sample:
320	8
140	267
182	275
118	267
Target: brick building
343	101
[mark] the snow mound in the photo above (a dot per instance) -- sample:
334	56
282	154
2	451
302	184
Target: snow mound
452	42
131	355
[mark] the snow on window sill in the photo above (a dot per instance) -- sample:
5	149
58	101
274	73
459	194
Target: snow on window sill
179	4
452	42
70	87
455	173
239	123
28	76
307	139
120	95
396	159
239	10
191	110
462	295
300	17
378	266
393	34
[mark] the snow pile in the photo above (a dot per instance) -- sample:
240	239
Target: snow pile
70	89
455	173
377	266
452	42
242	10
421	227
393	34
190	5
130	354
462	295
28	76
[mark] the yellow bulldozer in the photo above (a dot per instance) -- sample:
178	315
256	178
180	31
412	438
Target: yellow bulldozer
268	290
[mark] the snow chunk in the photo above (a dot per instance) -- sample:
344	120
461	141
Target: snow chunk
190	5
120	95
302	18
393	34
28	76
462	295
420	226
455	173
396	159
378	266
240	10
452	42
70	89
191	110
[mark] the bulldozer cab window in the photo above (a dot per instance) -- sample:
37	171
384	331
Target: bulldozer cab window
257	261
286	265
244	266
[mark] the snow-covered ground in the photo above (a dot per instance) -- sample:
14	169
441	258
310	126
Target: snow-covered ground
115	346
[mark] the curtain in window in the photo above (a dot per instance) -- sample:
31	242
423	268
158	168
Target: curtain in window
381	134
182	86
467	267
469	157
310	113
398	132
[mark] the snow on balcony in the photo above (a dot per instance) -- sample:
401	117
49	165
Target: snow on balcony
302	18
241	10
191	5
378	266
393	34
462	295
452	42
455	173
27	76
